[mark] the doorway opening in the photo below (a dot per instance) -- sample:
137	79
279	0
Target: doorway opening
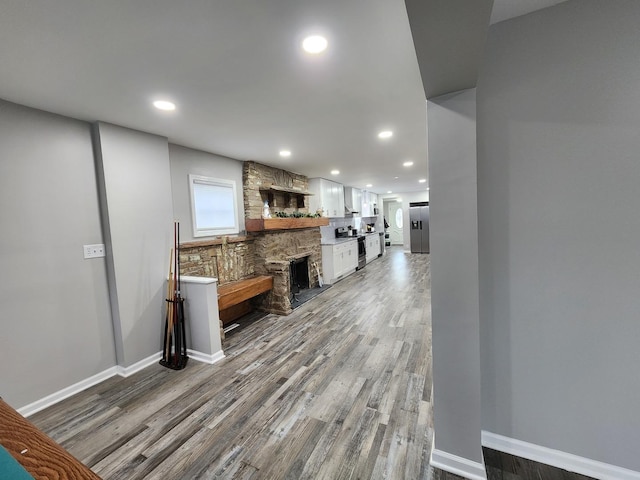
394	213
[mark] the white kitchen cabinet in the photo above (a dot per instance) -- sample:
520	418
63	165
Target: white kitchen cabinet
351	257
339	260
365	210
327	195
369	202
373	200
372	246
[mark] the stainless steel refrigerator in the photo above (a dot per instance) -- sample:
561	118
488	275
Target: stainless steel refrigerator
419	221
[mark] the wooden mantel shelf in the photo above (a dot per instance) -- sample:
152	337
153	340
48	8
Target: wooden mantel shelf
289	223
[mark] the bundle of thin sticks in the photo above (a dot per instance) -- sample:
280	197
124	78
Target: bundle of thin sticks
175	350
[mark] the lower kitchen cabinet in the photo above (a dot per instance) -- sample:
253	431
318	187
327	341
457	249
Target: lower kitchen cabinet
339	260
372	246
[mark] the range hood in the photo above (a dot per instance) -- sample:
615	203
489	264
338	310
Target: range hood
352	200
349	211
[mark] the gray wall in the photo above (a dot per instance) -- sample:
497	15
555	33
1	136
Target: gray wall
56	324
454	275
57	321
559	237
135	180
185	161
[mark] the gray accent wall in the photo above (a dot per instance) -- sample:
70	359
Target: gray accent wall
55	320
186	161
559	239
454	275
136	199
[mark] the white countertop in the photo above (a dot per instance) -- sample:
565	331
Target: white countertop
336	241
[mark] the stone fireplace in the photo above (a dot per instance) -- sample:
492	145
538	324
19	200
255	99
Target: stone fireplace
293	256
280	254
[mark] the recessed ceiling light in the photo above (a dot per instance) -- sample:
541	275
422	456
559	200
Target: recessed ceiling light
389	191
164	105
407	164
285	153
369	185
396	177
335	172
314	44
423	180
385	134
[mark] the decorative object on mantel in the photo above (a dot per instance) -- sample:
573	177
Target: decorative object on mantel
296	214
174	354
266	213
288	223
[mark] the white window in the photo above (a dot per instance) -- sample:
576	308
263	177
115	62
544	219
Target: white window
213	206
399	217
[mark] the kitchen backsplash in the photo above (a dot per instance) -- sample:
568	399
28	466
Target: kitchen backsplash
329	231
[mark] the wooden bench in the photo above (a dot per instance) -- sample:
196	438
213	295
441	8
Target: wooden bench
234	297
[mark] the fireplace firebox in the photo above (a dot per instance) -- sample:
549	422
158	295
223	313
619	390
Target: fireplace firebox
299	275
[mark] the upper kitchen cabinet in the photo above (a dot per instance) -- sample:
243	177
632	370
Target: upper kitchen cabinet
365	210
352	200
327	195
369	204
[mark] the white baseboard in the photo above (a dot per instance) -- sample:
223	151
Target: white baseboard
82	385
136	367
205	357
125	372
67	392
557	458
457	465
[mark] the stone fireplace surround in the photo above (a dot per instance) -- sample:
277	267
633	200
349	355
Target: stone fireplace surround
274	252
267	252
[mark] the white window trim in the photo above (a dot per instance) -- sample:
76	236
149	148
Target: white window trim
208	232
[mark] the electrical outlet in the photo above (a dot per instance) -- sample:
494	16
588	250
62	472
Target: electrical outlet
94	251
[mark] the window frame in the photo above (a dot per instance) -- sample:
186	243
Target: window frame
210	231
399	224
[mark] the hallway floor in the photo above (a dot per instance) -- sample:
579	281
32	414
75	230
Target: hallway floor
340	388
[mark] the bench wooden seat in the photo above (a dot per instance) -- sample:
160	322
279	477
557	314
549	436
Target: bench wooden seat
234	297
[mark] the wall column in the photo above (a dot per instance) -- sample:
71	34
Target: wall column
454	284
134	183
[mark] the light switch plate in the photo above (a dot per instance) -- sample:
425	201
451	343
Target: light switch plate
94	251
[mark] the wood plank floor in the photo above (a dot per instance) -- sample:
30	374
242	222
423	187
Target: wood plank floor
341	388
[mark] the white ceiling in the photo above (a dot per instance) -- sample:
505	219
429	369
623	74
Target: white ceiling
242	85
